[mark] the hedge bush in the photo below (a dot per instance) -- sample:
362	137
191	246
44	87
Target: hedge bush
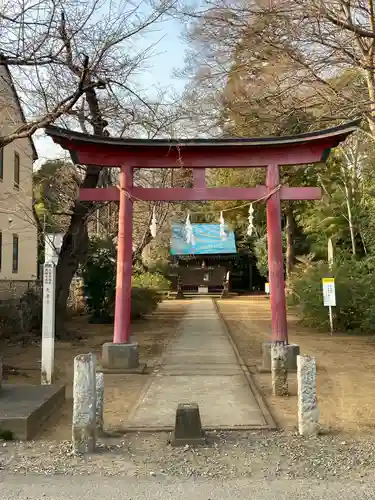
355	294
153	281
99	274
22	315
144	301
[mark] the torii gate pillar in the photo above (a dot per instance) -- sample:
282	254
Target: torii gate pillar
276	258
276	278
198	154
121	332
121	354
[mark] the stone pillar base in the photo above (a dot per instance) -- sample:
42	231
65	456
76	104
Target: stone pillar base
121	358
279	371
291	357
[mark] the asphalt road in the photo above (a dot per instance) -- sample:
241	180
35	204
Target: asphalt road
33	487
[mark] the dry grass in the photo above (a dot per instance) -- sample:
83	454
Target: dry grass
121	391
345	363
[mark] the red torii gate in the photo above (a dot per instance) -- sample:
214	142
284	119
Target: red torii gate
196	154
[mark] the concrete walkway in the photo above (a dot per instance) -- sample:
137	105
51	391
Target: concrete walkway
199	366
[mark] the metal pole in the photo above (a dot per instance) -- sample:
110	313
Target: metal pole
330	318
276	259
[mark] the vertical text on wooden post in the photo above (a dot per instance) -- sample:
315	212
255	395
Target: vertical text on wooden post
48	323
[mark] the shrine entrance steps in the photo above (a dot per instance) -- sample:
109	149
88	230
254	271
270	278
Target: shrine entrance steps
200	365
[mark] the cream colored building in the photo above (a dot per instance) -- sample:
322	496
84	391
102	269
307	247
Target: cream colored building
18	231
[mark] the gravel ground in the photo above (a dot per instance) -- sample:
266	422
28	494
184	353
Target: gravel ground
34	487
259	455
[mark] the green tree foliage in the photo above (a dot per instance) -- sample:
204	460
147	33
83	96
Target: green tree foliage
260	248
99	274
355	293
150	280
55	186
264	69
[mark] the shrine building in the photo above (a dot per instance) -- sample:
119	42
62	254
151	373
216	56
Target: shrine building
202	267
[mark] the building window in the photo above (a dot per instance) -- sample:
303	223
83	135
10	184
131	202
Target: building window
16	170
15	254
1	164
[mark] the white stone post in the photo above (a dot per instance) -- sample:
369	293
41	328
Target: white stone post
48	324
278	370
84	404
308	411
99	402
52	246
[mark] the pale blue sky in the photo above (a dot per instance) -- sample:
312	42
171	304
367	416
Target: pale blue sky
169	56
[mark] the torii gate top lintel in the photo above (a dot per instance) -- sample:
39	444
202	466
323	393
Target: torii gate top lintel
300	149
199	154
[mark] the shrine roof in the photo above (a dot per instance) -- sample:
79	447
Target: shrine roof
339	133
207	240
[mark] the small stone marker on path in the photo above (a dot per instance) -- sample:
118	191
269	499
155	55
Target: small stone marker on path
278	369
188	427
99	402
308	411
84	404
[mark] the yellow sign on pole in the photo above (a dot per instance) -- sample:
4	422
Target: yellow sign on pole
329	297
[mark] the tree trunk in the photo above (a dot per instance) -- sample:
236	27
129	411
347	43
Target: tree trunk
74	248
75	243
290	229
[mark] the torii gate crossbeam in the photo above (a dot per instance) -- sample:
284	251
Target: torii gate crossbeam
197	154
